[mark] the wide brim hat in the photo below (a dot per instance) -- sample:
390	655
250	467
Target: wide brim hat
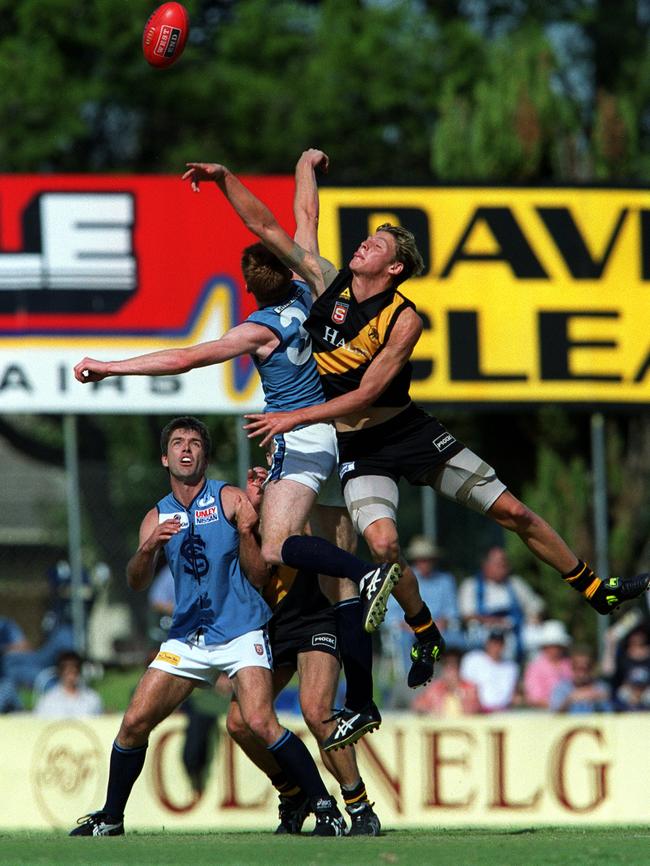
421	547
554	633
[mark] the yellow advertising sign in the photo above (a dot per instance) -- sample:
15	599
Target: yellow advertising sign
529	295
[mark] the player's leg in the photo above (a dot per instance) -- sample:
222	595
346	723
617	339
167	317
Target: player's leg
318	673
372	501
254	692
470	481
294	804
355	644
157	695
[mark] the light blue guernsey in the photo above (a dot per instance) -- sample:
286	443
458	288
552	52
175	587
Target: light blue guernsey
212	592
289	376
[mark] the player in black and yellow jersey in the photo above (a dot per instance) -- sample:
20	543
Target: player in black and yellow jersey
363	332
303	637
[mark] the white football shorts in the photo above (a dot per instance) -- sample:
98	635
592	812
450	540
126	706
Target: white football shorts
197	660
309	456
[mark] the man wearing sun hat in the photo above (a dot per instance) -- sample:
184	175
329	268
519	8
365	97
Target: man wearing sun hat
550	666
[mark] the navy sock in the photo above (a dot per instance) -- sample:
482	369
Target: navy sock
293	757
356	654
322	557
126	765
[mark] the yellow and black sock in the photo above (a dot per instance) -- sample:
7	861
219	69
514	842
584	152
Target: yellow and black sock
423	626
354	796
588	584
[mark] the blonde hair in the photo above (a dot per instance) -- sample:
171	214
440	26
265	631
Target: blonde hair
407	252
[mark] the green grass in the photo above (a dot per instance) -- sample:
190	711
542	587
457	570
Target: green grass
566	846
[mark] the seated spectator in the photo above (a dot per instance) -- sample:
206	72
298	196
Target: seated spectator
494	676
550	666
438	591
15	651
634	694
69	698
494	598
581	692
448	695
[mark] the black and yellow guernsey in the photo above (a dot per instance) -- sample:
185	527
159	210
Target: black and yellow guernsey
346	335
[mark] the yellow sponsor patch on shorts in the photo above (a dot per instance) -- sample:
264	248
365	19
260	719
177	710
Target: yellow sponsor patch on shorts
170	658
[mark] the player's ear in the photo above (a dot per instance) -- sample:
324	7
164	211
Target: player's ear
164	461
396	268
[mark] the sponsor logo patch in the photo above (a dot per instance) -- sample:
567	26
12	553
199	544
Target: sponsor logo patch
344	468
443	441
208	499
259	649
206	515
324	639
178	515
345	294
170	658
340	312
167	41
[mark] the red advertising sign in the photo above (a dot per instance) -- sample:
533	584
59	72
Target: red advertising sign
99	262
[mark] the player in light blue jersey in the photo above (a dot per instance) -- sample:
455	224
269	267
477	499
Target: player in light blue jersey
303	463
208	532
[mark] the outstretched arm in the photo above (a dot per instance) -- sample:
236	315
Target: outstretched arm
306	208
247	338
381	371
258	219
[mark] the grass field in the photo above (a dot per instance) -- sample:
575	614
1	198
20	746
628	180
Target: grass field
570	846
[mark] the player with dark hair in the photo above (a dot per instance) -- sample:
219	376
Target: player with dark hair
208	531
303	463
364	331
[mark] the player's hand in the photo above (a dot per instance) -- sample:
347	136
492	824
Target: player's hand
315	158
255	479
198	171
90	370
161	534
268	424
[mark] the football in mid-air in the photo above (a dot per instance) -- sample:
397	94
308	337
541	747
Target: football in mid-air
165	34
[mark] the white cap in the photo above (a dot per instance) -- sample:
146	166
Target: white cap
553	633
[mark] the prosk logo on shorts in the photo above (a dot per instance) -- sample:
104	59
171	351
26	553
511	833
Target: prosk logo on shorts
443	441
344	468
324	639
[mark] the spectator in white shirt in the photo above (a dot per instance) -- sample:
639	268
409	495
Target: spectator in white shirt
70	697
495	678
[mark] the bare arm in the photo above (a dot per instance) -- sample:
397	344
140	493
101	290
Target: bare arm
153	536
238	508
306	209
382	370
247	338
258	218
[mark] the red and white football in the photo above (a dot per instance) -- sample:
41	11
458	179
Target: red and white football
165	34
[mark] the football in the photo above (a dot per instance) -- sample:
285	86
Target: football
165	34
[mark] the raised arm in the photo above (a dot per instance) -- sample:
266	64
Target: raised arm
306	208
258	219
153	536
238	507
381	371
247	338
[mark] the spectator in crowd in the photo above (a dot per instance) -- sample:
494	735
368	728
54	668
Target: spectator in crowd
449	694
439	593
632	652
494	598
634	694
494	676
15	651
551	665
162	600
9	698
70	697
582	692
